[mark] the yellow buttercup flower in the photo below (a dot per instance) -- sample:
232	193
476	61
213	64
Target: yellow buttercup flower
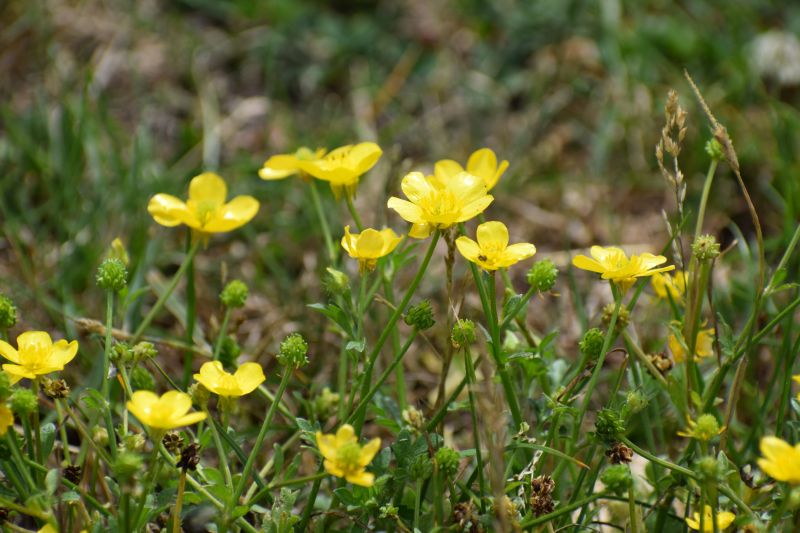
343	166
437	204
615	266
669	286
344	457
482	163
724	519
704	345
6	418
780	460
169	411
282	166
244	381
206	210
36	355
492	250
704	429
369	246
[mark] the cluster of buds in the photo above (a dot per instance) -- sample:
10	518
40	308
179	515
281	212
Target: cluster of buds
234	295
542	495
609	425
414	418
447	461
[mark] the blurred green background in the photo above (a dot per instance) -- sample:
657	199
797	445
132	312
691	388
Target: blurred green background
104	103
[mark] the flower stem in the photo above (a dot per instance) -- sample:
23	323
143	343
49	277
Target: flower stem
221	452
471	381
326	231
191	313
251	459
353	212
167	293
223	331
176	516
106	383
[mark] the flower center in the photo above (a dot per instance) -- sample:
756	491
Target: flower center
205	211
348	455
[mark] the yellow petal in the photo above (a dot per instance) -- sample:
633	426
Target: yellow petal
466	187
63	352
333	468
421	231
141	405
210	375
446	169
518	252
363	479
279	167
473	209
725	519
170	211
585	263
6	419
345	435
188	420
17	372
468	248
416	187
32	341
369	451
366	155
406	210
208	188
232	215
492	235
390	240
326	445
350	243
249	376
8	351
370	244
177	402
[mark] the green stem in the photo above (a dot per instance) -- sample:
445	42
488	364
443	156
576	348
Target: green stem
712	168
563	510
417	503
323	221
471	381
657	460
106	382
223	330
353	212
191	314
176	517
398	312
632	510
312	498
251	459
221	452
167	293
147	487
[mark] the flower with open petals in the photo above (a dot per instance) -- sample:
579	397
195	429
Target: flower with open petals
703	429
206	210
433	203
724	519
168	411
244	381
343	166
668	286
282	166
615	266
482	163
492	250
344	457
780	460
369	246
6	419
36	355
704	345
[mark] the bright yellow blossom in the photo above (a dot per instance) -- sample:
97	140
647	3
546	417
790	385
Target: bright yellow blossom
169	411
492	250
6	419
780	460
344	457
724	519
206	210
704	429
36	355
369	245
244	381
615	266
47	528
284	165
704	345
343	166
669	286
482	163
436	204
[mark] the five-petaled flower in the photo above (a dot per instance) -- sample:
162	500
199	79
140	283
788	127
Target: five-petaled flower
36	355
724	519
244	381
342	167
168	411
434	203
482	163
613	265
369	246
669	286
344	457
703	429
492	250
282	166
780	460
206	210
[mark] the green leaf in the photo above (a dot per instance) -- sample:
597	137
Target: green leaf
51	481
47	435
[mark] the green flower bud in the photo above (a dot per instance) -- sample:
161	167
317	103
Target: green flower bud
635	401
127	465
463	333
617	478
389	511
8	313
794	499
5	386
112	275
705	248
199	394
134	442
100	436
117	251
144	350
542	275
121	353
421	467
141	379
336	282
592	343
234	295
23	402
420	316
229	351
714	149
447	459
708	468
293	351
609	425
623	317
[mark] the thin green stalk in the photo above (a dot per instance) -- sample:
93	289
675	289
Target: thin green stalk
353	212
398	312
561	511
417	503
221	452
223	331
11	438
176	516
187	261
191	314
632	511
323	221
155	465
106	382
712	168
471	381
312	498
657	460
400	380
251	459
